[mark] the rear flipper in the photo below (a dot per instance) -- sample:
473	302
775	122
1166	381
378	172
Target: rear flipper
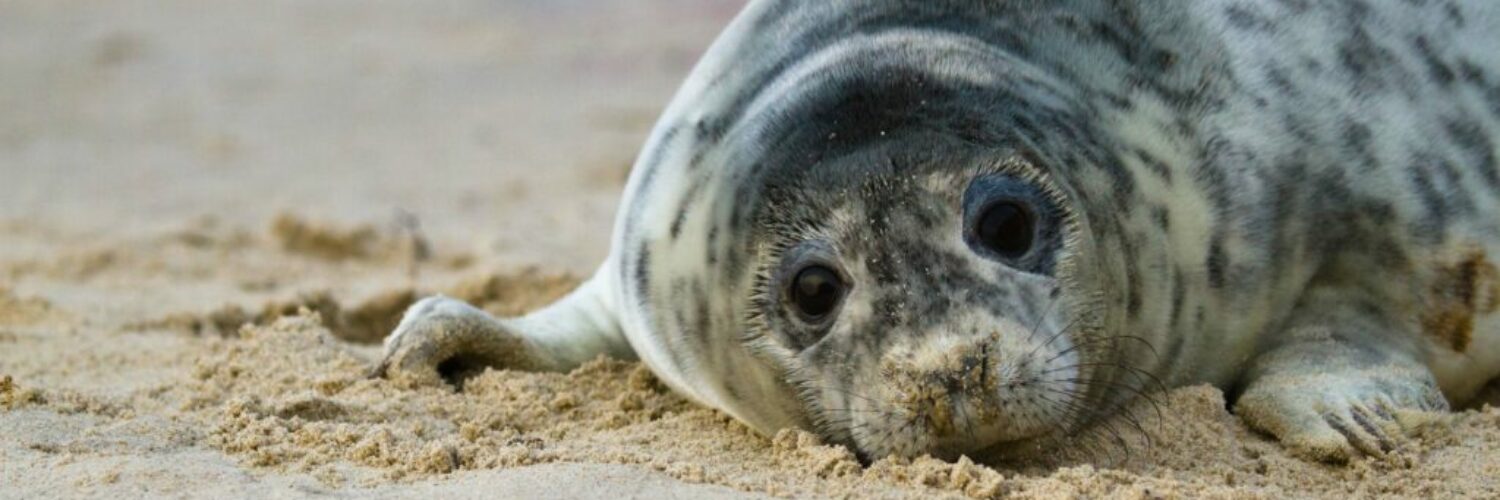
439	337
1341	381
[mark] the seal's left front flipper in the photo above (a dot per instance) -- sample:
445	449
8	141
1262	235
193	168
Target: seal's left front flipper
1341	380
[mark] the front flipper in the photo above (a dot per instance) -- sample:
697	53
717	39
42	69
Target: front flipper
1340	381
439	337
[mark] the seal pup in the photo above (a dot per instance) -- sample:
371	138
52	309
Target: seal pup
959	227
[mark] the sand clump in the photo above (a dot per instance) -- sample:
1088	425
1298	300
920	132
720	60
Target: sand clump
370	319
300	236
20	311
366	321
334	242
13	396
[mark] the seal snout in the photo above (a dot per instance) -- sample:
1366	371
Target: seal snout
946	384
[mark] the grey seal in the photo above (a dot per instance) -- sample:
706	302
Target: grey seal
961	227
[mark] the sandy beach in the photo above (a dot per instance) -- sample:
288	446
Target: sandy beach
211	213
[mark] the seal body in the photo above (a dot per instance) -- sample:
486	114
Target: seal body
944	226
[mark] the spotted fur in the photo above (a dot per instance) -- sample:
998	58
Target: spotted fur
1252	194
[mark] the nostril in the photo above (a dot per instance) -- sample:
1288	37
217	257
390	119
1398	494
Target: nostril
974	369
974	363
955	384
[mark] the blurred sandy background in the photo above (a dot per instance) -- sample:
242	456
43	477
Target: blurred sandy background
210	210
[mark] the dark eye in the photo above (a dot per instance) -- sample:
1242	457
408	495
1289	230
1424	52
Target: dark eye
816	291
1007	229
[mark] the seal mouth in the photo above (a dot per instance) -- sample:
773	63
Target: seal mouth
953	395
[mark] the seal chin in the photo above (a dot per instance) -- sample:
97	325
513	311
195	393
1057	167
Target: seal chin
959	427
972	443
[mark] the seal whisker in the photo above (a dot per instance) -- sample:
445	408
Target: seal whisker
1097	340
1069	405
1043	317
1147	395
1091	415
1090	412
1060	332
1150	397
1147	377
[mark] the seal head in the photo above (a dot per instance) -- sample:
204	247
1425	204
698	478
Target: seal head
918	301
884	233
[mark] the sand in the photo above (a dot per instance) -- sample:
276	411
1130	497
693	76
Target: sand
211	212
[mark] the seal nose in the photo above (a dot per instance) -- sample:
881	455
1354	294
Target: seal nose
941	379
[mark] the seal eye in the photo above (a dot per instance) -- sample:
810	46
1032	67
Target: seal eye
1013	221
1007	229
816	291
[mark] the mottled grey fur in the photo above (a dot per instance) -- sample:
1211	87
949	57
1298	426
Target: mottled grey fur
1294	200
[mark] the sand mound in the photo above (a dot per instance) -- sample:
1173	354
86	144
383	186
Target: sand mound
290	396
